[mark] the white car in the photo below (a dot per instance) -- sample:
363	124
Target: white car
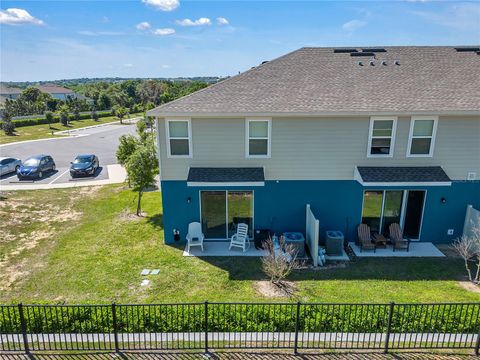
9	165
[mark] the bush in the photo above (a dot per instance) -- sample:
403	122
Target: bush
56	118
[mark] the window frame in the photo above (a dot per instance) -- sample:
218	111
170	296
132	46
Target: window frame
432	137
269	138
392	137
168	138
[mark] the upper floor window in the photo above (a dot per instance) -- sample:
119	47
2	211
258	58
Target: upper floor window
258	138
381	139
422	136
179	138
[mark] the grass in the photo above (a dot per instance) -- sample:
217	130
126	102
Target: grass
42	131
83	245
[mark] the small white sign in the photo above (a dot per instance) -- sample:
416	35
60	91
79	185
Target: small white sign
145	272
155	272
450	232
145	282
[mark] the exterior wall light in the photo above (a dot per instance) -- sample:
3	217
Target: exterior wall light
443	200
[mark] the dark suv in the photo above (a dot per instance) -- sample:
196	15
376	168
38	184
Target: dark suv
35	167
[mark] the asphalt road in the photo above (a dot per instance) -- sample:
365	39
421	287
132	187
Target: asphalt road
101	141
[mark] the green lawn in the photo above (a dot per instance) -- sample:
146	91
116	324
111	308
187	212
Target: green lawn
35	132
82	245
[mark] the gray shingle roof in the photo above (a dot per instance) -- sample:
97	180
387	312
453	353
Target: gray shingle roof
374	174
240	174
317	80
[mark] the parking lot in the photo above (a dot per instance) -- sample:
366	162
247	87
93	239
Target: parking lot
101	141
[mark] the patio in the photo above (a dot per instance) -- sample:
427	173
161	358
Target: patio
417	249
220	248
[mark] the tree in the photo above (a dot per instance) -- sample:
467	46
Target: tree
94	115
278	264
142	167
64	114
7	124
120	113
468	247
31	94
49	118
128	145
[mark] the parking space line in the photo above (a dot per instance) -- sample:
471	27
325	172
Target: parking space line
59	176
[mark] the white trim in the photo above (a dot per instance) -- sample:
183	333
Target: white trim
391	137
160	172
229	184
247	137
226	211
440	183
168	138
159	113
432	137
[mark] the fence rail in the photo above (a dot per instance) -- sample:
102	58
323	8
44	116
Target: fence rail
213	325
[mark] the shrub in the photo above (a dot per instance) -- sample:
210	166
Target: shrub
7	125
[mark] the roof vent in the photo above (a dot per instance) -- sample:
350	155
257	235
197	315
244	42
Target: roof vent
344	51
467	49
362	54
397	62
360	63
384	63
264	62
374	50
372	63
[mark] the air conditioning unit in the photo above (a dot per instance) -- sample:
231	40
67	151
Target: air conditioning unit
471	176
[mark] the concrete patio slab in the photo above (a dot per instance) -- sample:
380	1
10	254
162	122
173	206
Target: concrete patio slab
220	248
417	249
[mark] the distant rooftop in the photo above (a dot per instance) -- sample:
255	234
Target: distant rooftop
8	90
333	80
53	89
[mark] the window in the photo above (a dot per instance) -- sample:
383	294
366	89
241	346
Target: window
381	138
422	136
179	138
258	138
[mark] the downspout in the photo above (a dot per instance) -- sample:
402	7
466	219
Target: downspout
158	154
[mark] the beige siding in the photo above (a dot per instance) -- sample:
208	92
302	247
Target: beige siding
322	148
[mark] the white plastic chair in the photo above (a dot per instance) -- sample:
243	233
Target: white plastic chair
240	239
195	236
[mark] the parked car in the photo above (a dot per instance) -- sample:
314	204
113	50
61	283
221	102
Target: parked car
9	165
35	167
84	165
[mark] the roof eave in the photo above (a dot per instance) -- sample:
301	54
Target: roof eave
159	113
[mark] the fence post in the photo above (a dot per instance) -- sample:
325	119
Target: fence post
389	326
206	327
23	324
297	325
477	345
115	327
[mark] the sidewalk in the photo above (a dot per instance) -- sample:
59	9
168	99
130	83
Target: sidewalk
116	175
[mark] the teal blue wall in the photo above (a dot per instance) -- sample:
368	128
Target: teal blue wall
280	205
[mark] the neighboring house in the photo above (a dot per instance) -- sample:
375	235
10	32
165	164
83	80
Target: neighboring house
7	92
59	92
363	135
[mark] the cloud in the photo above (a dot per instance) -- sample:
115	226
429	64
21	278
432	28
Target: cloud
164	5
143	26
104	19
459	16
100	33
199	22
164	32
353	25
222	21
128	65
15	16
165	66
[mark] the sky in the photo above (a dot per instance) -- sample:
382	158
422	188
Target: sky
62	39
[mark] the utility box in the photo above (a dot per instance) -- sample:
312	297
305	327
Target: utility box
334	241
297	240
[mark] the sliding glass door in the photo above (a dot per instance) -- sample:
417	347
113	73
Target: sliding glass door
381	208
221	211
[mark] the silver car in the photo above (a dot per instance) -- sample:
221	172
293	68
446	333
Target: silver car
9	165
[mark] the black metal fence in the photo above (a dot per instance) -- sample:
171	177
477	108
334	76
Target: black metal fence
206	326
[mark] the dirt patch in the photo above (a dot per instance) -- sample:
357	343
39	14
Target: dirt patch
270	290
448	251
469	286
127	215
